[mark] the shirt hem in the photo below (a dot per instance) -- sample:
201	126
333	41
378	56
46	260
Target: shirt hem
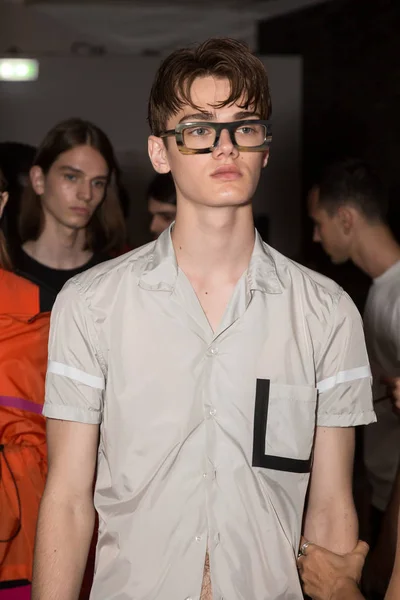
68	413
347	420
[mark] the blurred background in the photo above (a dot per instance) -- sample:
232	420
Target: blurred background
334	69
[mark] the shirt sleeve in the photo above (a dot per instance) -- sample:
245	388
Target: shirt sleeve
343	372
75	380
395	338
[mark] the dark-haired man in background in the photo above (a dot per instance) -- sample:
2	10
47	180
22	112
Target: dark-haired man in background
348	208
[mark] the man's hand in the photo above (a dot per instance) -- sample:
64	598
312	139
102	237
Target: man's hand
393	391
323	572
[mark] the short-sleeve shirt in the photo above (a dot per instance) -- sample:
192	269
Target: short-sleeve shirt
206	436
382	333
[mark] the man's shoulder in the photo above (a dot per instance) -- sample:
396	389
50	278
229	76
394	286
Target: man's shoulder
105	275
297	277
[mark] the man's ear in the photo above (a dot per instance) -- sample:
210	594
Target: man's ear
158	154
265	158
36	176
346	218
3	202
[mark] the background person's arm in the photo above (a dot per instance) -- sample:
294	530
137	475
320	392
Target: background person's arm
329	576
331	519
393	592
66	517
380	566
346	589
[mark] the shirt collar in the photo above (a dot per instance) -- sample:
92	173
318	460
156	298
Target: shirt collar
262	273
161	269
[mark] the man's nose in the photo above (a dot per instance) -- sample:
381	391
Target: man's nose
225	143
85	191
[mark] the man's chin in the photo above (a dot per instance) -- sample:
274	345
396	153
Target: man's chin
339	260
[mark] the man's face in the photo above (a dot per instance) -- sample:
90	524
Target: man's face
162	215
73	188
328	230
223	178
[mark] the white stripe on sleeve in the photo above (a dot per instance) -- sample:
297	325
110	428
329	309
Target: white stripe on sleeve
76	374
343	377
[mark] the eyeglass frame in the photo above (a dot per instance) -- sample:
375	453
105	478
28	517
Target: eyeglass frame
219	127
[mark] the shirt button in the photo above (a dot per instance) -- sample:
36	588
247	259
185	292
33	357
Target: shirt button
214	351
198	538
205	475
213	412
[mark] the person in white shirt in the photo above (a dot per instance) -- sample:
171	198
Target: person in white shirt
348	208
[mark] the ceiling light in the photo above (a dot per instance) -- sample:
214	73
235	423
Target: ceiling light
18	69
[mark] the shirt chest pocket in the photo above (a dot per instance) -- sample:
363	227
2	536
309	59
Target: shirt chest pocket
284	426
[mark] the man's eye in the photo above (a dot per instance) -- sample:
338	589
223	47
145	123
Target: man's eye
70	177
99	184
199	131
246	130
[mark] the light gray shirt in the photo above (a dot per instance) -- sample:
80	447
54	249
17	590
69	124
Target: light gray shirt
206	437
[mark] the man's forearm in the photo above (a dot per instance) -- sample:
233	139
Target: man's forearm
62	544
346	589
333	527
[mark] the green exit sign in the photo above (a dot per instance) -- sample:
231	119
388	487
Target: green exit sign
18	69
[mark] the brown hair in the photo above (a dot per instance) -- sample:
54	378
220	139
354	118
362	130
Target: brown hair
223	58
106	230
5	261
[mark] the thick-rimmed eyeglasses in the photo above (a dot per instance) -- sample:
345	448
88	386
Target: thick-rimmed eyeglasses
200	137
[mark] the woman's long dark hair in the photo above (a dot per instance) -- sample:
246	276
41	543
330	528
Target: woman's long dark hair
106	231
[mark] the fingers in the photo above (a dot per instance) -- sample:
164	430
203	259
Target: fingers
393	386
299	563
304	548
361	548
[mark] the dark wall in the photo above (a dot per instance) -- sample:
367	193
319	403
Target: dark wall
351	58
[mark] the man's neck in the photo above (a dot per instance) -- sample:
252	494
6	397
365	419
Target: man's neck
59	248
214	243
375	250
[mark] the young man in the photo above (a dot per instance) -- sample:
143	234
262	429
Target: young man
161	199
70	216
348	209
200	372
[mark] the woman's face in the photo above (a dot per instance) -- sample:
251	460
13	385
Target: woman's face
73	188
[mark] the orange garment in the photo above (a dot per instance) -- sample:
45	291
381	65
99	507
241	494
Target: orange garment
23	461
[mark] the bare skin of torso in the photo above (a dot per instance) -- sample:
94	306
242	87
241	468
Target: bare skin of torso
206	591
